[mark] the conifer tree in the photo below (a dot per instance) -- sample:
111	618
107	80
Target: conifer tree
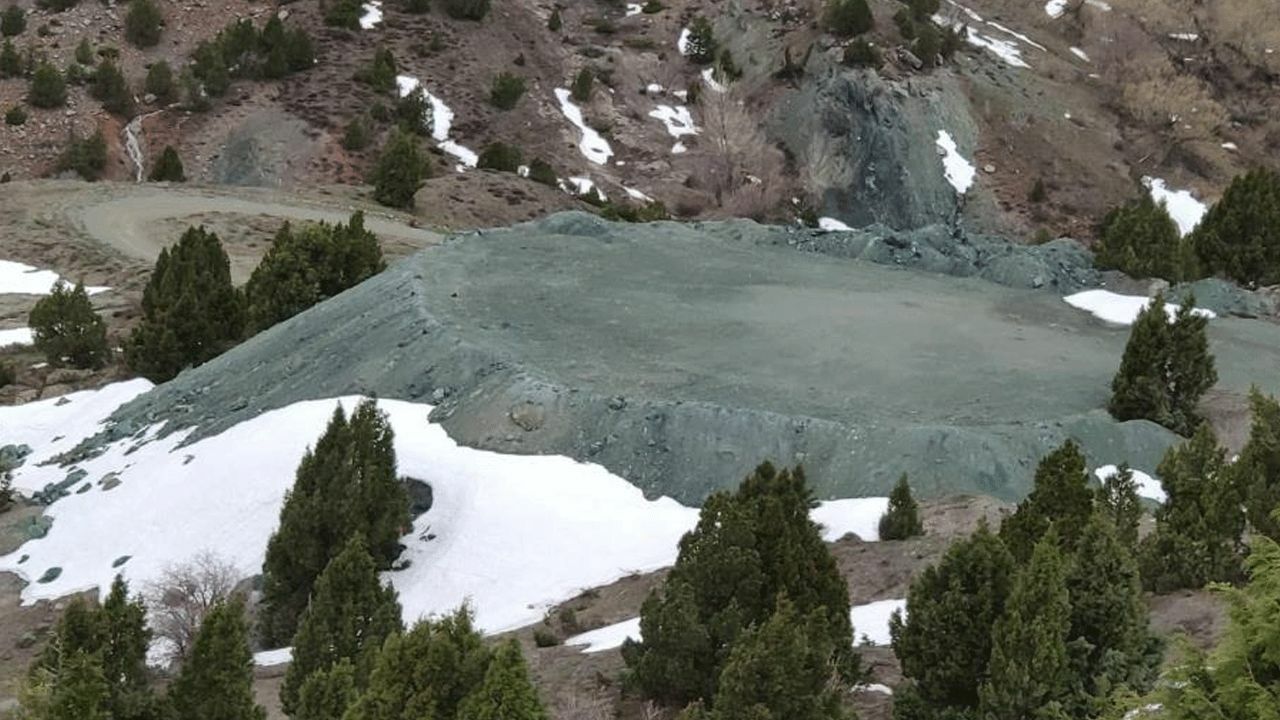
143	23
67	330
169	167
345	486
902	519
190	311
81	691
400	171
1237	236
847	18
1060	498
467	9
326	694
944	642
216	682
1138	390
1028	671
380	75
748	549
507	693
124	653
1257	471
1190	368
1118	500
10	62
701	47
110	87
160	83
1139	238
13	21
48	89
351	612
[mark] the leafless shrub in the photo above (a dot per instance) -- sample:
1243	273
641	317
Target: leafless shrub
580	706
740	168
184	593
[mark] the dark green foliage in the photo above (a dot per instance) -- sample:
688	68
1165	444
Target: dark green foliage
169	167
343	14
1060	499
651	211
945	641
1199	527
554	23
13	21
326	694
506	693
307	265
652	7
701	46
110	87
48	89
160	83
1237	237
358	134
847	18
906	26
902	519
84	52
67	330
928	44
541	172
1038	192
380	74
10	62
1166	368
400	171
143	23
466	9
190	311
952	39
922	10
727	68
506	91
580	90
87	157
1139	238
349	615
1257	471
413	113
216	682
749	549
57	5
426	673
1118	501
240	51
545	638
15	116
861	53
346	486
416	7
500	156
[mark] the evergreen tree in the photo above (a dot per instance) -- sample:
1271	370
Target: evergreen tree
1199	527
350	613
169	167
944	642
1190	370
500	156
749	549
540	171
426	673
10	62
160	83
1118	500
902	519
506	91
1060	498
554	23
467	9
190	311
506	693
343	14
80	691
922	10
1140	390
326	694
1238	235
701	44
110	87
400	171
87	157
1139	238
305	266
847	18
413	113
1257	470
48	89
67	330
380	74
142	24
13	21
84	52
580	88
345	486
216	682
1028	671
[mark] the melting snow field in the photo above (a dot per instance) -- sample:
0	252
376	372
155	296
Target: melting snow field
1080	54
1121	309
860	516
678	120
682	42
608	637
1055	8
505	531
830	224
16	336
871	621
20	279
441	122
1006	50
1183	207
709	77
960	172
592	146
372	14
1148	487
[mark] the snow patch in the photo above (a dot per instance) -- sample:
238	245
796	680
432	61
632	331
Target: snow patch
830	224
592	146
709	77
1055	8
1148	487
441	121
860	516
608	637
21	279
1230	146
1183	207
1080	54
679	149
637	195
875	688
16	336
271	658
959	172
1018	35
871	621
372	14
1121	309
678	120
653	89
1099	4
634	9
682	42
1188	37
1007	51
581	186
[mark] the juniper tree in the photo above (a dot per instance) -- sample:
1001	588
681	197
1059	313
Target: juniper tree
66	329
13	21
160	83
400	171
1118	500
1257	470
142	24
343	14
110	87
467	9
48	89
345	486
87	156
902	519
1191	370
506	91
701	47
169	167
326	694
380	74
580	88
1141	239
1237	236
1060	498
848	17
749	548
84	52
10	62
216	682
507	692
349	615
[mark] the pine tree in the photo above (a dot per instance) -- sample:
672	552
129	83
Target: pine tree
1138	390
86	156
1191	371
1257	470
326	694
847	18
902	519
110	87
142	25
400	171
701	47
1139	238
467	9
67	330
1118	500
10	62
84	52
216	682
580	88
160	83
13	21
1199	527
944	643
748	549
168	168
1237	236
506	91
507	693
190	311
1028	671
1060	498
48	89
350	613
380	74
81	691
554	23
345	486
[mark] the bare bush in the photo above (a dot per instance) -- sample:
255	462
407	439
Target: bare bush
179	600
580	706
740	168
